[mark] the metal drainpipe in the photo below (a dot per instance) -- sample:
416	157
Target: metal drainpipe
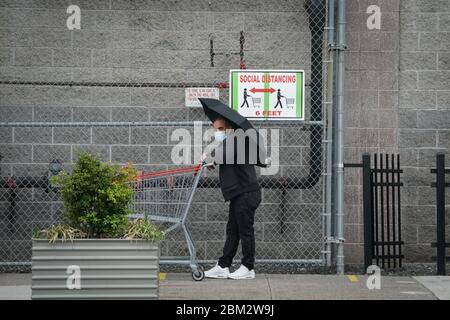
329	139
339	164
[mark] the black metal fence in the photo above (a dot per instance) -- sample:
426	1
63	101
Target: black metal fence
382	210
440	186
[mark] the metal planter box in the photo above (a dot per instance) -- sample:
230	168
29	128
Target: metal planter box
106	269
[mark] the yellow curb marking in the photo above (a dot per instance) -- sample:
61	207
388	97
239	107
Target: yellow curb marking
352	278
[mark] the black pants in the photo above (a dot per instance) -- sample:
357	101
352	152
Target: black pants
240	227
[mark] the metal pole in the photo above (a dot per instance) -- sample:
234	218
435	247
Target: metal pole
340	138
367	208
329	134
440	212
330	26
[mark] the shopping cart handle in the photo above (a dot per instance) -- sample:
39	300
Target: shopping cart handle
211	164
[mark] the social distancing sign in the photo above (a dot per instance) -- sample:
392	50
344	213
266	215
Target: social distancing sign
268	94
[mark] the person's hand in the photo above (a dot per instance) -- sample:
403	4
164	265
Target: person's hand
203	158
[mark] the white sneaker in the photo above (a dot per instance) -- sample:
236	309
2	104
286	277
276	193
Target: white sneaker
217	272
242	273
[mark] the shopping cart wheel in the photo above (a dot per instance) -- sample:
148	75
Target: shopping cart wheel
199	274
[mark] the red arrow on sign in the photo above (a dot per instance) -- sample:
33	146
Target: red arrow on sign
254	90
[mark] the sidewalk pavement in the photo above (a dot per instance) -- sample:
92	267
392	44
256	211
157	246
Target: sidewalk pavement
274	287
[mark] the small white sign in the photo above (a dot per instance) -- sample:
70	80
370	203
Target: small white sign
192	95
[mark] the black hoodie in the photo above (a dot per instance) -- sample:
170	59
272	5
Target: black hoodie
237	175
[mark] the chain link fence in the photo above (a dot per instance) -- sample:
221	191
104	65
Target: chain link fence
128	109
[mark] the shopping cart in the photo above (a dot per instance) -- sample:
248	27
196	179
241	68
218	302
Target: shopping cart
166	197
256	102
290	102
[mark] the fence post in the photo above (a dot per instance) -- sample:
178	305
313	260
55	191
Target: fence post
440	212
367	209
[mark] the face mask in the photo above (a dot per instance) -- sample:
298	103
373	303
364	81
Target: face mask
219	136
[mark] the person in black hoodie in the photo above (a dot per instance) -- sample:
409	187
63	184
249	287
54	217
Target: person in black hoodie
239	185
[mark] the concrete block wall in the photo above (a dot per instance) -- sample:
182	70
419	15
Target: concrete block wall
424	115
138	42
397	102
397	92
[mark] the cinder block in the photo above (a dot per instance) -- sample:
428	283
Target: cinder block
14	37
409	232
353	41
216	211
433	119
91	39
93	75
427	22
6	135
418	99
72	57
444	61
143	75
417	176
387	119
435	40
6	56
418	215
371	119
388	99
15	153
33	135
426	195
390	41
42	37
417	138
424	6
286	232
111	135
208	195
197	212
114	19
208	230
16	17
133	154
30	169
418	61
444	139
407	119
409	41
52	114
150	136
93	114
132	114
408	80
387	137
353	233
71	135
102	151
366	81
24	96
161	155
444	22
443	99
47	153
32	56
158	98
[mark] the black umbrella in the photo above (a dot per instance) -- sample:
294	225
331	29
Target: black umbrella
214	109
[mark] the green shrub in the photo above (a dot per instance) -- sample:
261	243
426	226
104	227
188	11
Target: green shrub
96	197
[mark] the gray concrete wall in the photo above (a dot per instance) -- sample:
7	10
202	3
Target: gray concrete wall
397	91
397	100
137	42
